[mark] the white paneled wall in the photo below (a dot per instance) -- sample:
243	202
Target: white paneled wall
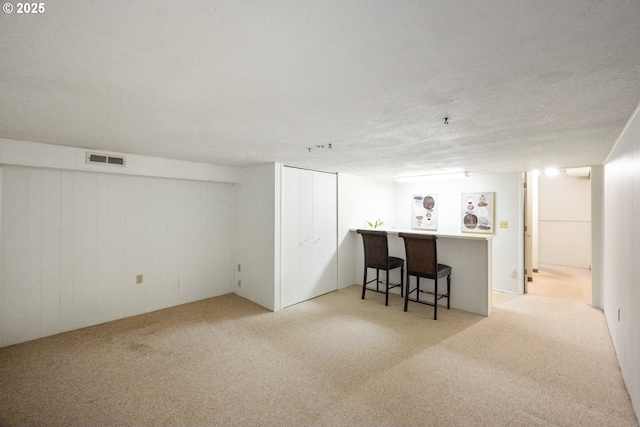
507	244
73	243
256	222
33	154
360	199
621	283
366	199
564	220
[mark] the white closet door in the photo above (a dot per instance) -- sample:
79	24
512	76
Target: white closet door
305	233
325	265
309	235
290	239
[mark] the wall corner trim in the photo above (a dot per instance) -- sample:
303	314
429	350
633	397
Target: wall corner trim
635	113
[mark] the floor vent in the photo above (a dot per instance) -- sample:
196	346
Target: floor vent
97	158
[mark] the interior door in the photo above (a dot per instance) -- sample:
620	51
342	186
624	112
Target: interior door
290	239
309	235
528	229
306	277
325	225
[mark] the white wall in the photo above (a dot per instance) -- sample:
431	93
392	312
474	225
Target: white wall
257	231
597	235
362	199
73	243
532	223
25	153
564	220
507	244
621	284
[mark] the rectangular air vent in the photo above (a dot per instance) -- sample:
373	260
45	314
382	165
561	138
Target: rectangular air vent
97	158
104	159
116	161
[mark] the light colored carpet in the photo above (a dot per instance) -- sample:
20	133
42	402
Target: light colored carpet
542	359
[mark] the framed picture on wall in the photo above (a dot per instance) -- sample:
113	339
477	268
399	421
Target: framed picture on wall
477	213
424	211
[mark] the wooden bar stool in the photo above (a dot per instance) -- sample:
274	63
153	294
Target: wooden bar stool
422	261
376	255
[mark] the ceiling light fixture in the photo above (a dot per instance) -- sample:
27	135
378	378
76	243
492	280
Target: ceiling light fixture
582	172
416	178
551	171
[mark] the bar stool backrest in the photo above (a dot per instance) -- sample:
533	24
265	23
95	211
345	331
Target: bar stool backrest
421	254
376	248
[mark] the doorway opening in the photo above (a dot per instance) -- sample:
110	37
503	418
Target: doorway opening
558	222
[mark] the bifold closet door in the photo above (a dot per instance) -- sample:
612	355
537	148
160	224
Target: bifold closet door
296	233
324	232
309	235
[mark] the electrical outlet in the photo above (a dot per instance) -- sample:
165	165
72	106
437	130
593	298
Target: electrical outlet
139	279
504	224
239	269
512	272
239	283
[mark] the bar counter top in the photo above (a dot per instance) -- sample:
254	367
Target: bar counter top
473	236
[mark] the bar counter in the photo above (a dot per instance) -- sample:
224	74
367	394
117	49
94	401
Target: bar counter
469	256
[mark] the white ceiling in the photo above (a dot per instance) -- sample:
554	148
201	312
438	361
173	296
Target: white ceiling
525	84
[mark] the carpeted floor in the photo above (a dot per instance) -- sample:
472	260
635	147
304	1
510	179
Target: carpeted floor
541	359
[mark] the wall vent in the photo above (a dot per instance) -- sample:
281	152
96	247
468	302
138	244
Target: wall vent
104	159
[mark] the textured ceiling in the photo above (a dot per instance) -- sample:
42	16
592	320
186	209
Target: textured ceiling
525	84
